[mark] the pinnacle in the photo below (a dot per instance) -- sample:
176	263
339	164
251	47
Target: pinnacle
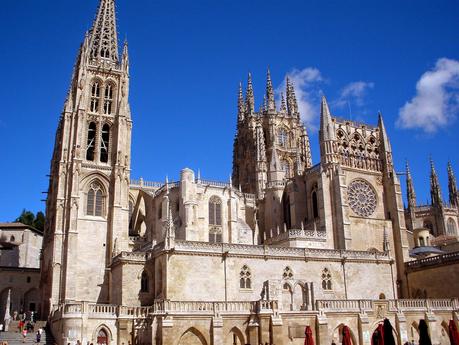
104	39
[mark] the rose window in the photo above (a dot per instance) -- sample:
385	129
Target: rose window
362	198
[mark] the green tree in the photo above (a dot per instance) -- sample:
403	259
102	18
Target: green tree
28	218
39	222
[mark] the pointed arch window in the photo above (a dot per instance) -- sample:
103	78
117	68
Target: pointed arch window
285	165
451	227
91	141
104	143
326	279
95	200
108	99
144	283
95	97
245	281
315	205
282	137
215	211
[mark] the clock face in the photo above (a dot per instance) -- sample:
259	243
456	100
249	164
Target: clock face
361	198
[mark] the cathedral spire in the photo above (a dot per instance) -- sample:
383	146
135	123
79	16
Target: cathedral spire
292	104
283	107
435	189
271	103
411	195
249	98
326	124
452	187
240	105
103	35
383	134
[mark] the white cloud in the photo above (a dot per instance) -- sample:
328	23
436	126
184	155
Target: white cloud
306	82
437	99
354	93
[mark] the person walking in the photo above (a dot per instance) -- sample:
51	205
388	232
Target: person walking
24	335
38	336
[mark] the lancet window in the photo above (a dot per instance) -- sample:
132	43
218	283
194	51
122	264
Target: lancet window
326	279
104	143
451	227
215	211
95	97
282	137
245	281
91	141
95	200
108	99
144	284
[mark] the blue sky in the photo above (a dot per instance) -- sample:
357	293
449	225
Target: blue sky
187	58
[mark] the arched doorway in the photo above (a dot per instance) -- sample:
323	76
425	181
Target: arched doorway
337	336
102	337
235	337
31	300
192	337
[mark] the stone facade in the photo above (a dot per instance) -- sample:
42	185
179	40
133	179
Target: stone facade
282	245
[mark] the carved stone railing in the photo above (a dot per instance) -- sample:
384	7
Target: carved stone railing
432	261
274	184
214	183
400	305
140	183
271	251
301	234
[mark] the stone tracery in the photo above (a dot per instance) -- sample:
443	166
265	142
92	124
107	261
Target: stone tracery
361	198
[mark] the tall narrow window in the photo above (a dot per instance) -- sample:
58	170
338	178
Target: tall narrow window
215	211
108	100
90	146
144	282
95	201
282	137
315	206
95	97
104	143
451	227
326	279
245	281
286	168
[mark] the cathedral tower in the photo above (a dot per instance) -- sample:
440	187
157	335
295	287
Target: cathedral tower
87	204
260	134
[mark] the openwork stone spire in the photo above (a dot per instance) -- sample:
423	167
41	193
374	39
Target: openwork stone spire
411	195
103	36
326	124
249	98
435	189
240	105
292	104
271	103
452	187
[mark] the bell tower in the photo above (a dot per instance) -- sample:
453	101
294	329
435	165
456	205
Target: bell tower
87	211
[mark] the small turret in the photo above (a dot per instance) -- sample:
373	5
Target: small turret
326	134
411	196
240	105
271	103
292	104
452	187
435	189
249	97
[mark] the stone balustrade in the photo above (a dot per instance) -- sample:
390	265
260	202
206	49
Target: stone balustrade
301	234
432	261
210	308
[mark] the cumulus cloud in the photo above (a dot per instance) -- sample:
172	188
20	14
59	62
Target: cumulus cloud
436	102
307	89
354	92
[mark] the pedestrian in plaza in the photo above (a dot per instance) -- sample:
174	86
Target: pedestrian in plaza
38	335
24	335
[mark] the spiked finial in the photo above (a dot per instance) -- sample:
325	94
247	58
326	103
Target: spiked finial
435	189
271	103
452	187
326	124
103	35
249	98
411	195
240	105
292	104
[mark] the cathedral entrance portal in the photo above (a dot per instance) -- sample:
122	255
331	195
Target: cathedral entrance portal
102	337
